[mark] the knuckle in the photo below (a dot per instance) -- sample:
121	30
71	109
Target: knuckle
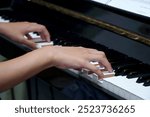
102	54
80	47
41	27
82	63
26	22
34	23
94	50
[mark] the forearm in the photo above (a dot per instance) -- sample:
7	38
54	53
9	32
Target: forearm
2	28
19	69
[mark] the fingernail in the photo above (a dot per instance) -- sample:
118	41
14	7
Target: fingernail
110	70
48	40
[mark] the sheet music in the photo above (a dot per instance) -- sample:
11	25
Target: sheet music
141	7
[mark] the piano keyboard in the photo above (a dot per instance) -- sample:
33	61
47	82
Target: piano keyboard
127	81
130	79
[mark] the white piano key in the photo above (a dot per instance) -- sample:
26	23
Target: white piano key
40	45
100	81
130	87
108	74
121	86
3	20
38	40
34	35
77	72
102	1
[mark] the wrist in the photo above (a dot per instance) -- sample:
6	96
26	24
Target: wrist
46	56
3	29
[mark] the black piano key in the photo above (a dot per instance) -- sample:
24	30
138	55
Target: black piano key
128	71
138	74
36	33
56	41
140	80
5	17
133	74
118	64
147	83
120	69
132	71
60	41
143	78
125	63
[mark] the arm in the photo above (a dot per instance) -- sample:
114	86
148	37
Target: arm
19	69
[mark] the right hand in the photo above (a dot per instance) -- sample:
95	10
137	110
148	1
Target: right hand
78	58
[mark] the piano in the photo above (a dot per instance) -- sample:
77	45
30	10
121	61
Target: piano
123	34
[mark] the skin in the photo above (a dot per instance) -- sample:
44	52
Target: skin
22	68
18	31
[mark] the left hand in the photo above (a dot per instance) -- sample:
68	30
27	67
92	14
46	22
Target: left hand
18	30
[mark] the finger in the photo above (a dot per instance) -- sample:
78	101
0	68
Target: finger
93	51
28	36
29	43
42	30
93	69
106	63
45	34
101	58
